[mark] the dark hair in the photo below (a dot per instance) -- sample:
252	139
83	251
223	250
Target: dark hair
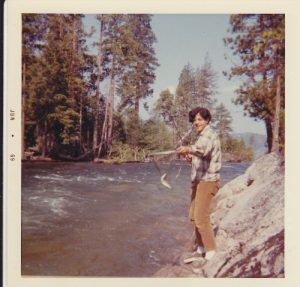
204	113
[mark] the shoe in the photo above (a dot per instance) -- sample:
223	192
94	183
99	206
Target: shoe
195	256
200	250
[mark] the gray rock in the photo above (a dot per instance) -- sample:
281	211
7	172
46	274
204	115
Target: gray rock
248	214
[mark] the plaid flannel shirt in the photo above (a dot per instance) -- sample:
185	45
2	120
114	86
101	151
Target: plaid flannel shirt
206	160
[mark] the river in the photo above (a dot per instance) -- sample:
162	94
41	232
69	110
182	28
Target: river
87	219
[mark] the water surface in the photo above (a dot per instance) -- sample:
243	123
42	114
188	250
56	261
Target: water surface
86	219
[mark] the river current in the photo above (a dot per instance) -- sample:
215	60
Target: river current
87	219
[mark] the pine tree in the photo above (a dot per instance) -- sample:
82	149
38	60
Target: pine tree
49	79
156	136
58	86
259	42
76	82
206	86
184	99
128	45
140	61
112	46
165	107
100	76
133	131
33	28
195	88
222	121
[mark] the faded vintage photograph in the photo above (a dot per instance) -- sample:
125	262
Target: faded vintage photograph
153	145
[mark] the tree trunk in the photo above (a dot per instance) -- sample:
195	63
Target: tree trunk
98	93
88	134
75	29
136	105
111	110
61	27
74	58
39	136
76	95
104	129
23	110
80	121
106	137
137	102
45	132
137	93
269	134
275	139
96	122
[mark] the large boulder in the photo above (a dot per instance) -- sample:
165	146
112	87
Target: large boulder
248	216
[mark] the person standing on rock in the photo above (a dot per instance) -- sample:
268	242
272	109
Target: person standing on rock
205	156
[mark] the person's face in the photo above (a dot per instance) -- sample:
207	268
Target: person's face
199	123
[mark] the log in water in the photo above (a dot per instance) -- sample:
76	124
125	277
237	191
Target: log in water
85	219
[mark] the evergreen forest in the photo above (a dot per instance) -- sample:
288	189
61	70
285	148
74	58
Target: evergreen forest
82	106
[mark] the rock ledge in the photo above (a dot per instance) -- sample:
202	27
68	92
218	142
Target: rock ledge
248	216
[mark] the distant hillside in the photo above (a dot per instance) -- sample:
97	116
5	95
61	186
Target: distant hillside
256	141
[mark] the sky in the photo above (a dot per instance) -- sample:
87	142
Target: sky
189	38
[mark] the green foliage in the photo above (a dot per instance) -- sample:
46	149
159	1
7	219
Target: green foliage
156	136
56	82
184	99
61	112
236	150
205	86
142	137
119	130
165	107
151	134
198	88
62	122
195	88
61	82
139	61
123	152
259	42
222	121
127	46
133	129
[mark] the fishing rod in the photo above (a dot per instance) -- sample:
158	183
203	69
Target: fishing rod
179	143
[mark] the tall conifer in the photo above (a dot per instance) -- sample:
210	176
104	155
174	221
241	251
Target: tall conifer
259	41
33	28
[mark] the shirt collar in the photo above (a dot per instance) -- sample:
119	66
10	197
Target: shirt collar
204	130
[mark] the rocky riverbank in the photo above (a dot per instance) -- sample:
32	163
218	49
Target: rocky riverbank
248	216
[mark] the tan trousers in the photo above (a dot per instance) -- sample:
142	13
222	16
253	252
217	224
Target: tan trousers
202	195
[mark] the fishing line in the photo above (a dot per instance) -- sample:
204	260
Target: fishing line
161	157
170	156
